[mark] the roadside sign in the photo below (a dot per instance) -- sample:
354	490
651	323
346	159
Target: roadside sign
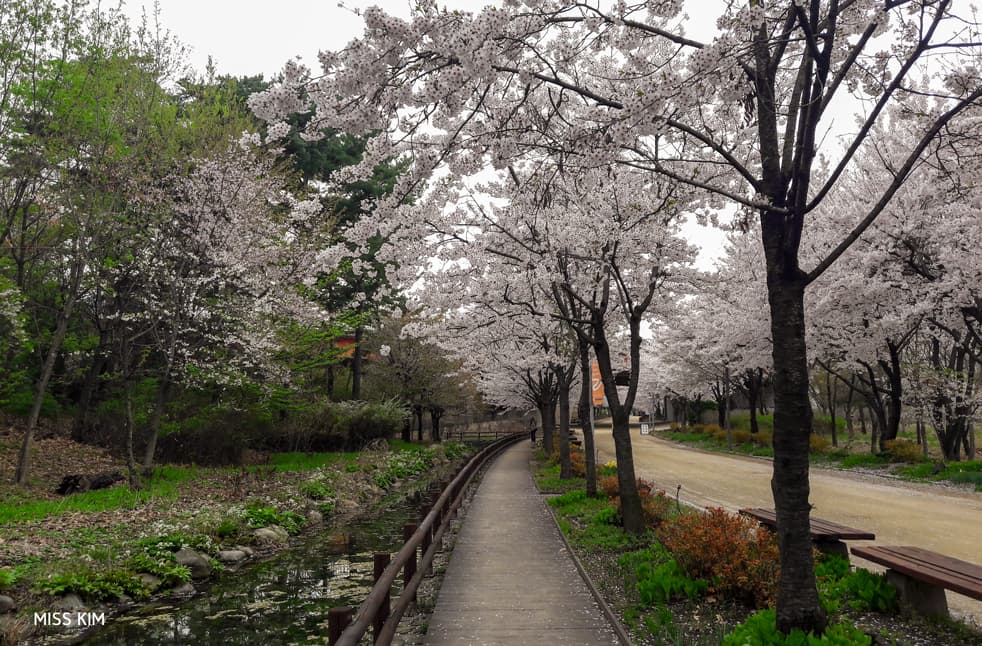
644	429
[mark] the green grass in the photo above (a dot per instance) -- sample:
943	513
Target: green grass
163	486
969	472
864	460
298	461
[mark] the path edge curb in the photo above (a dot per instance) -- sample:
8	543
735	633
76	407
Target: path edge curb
615	623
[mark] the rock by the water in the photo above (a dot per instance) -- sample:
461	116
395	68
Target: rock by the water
6	604
314	517
152	582
69	603
231	556
243	548
271	534
184	590
200	566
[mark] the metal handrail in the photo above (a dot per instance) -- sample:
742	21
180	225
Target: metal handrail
375	608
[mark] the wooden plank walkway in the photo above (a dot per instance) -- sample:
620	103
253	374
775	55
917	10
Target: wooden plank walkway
510	580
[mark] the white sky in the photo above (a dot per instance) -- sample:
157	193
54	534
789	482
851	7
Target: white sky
248	37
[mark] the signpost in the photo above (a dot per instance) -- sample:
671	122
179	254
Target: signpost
645	429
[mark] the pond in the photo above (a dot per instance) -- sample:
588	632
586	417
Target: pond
280	601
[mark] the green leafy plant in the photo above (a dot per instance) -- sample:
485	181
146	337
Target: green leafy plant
863	590
258	516
760	629
8	577
166	569
95	586
316	490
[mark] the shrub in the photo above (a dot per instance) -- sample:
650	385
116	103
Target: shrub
903	451
606	516
577	460
740	436
165	568
818	444
737	556
762	438
610	486
760	629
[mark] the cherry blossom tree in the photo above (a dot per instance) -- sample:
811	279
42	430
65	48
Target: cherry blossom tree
741	116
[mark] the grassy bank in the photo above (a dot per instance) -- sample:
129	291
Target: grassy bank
709	577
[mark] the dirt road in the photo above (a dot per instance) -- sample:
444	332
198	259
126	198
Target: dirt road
899	513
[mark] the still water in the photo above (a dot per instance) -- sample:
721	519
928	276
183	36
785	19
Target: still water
280	601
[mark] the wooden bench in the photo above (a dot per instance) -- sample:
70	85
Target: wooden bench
827	536
922	576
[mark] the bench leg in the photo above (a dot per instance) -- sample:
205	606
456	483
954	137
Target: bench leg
839	548
918	597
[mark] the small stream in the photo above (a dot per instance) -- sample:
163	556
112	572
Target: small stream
283	600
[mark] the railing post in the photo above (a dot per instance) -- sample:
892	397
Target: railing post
337	620
425	545
381	561
409	571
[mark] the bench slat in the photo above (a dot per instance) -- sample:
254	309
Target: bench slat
820	529
925	565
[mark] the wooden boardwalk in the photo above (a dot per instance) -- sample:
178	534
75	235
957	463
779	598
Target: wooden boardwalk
510	580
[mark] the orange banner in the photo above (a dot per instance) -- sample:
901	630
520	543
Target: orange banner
598	385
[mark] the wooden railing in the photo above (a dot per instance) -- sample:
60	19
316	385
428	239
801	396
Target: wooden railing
345	628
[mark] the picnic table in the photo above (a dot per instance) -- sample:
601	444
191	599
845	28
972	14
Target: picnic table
827	536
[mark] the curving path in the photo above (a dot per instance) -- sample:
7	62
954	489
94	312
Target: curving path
945	520
510	580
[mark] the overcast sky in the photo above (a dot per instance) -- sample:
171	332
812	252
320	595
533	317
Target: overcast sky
248	37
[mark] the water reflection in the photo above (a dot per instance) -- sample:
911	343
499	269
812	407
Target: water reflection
281	601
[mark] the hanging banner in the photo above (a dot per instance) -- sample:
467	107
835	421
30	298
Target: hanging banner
598	385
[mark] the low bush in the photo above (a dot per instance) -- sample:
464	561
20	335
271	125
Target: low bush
737	556
577	461
760	629
903	451
818	443
609	486
762	438
165	568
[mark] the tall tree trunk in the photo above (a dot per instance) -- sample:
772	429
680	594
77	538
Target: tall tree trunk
159	406
862	420
23	472
753	392
586	402
830	392
418	414
850	427
407	428
330	381
565	463
356	365
797	599
624	454
894	404
547	413
436	412
130	422
81	421
726	404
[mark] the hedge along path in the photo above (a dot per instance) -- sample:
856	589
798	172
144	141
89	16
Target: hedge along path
510	579
944	520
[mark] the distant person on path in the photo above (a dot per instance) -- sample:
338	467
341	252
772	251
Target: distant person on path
534	429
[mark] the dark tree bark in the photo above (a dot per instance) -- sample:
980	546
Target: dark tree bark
407	429
564	377
586	402
436	412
